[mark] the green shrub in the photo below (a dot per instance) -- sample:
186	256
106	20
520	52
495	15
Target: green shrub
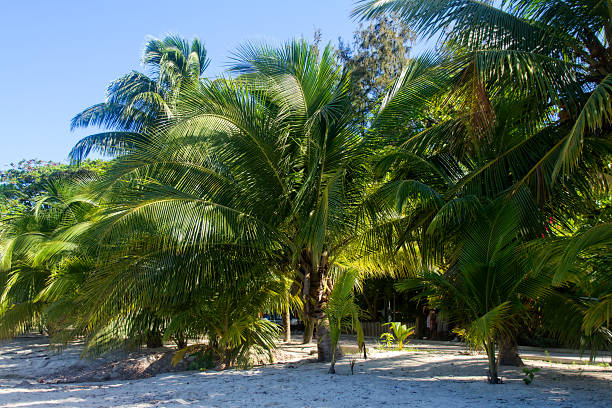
401	332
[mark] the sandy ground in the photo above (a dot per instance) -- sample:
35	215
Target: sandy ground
424	377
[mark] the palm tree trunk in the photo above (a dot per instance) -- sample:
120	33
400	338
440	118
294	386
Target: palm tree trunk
308	330
508	353
286	325
154	339
307	271
324	345
492	374
419	332
315	289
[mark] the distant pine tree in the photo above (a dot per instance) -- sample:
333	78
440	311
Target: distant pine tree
375	58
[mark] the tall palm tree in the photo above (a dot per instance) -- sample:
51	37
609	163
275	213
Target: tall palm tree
138	101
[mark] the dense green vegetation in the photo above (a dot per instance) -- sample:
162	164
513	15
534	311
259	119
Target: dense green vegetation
476	176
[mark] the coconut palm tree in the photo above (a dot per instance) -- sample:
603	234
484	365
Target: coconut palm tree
43	262
138	101
487	118
254	175
558	53
489	280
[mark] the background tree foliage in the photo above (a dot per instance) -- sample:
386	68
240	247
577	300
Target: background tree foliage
24	182
375	57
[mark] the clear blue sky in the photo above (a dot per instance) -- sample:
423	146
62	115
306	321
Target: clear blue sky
58	56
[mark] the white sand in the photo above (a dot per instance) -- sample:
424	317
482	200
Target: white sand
390	379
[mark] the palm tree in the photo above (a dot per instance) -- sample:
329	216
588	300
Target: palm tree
255	175
596	243
43	263
137	101
342	313
495	114
557	53
580	315
490	278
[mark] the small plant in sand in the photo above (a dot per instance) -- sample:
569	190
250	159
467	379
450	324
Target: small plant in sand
342	313
387	339
203	360
460	332
529	374
401	333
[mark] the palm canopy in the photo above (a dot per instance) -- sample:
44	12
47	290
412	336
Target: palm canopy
551	52
42	262
138	101
465	142
488	117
